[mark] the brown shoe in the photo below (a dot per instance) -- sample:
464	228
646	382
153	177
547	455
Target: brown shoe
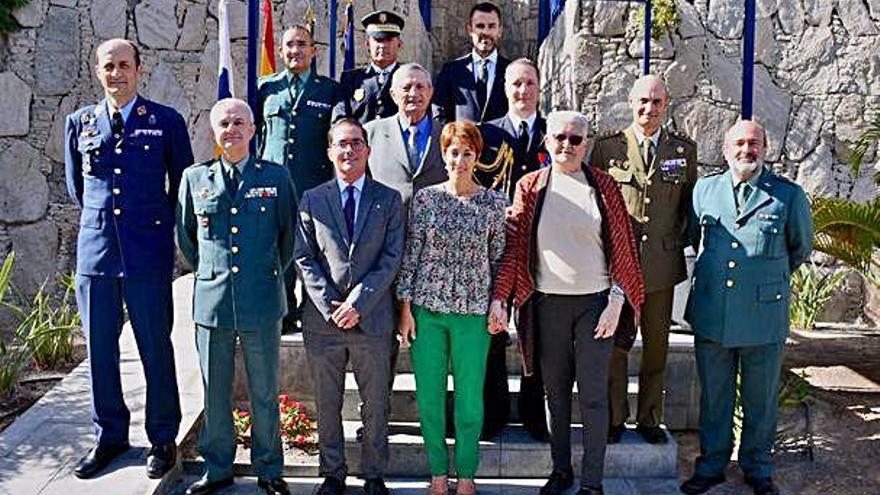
439	485
465	486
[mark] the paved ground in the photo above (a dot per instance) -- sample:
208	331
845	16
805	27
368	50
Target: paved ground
308	486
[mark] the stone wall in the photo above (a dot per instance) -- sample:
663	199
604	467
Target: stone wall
817	84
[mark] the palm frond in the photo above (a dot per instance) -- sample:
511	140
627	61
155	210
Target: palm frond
866	139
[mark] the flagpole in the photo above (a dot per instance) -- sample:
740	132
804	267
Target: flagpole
253	35
331	45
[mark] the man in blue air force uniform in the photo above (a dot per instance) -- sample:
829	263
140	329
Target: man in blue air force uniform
293	113
235	227
366	91
752	229
118	155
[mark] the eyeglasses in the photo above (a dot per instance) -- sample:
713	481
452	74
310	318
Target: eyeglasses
357	145
573	139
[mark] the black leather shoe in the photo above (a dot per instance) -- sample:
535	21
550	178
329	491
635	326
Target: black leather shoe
587	490
161	460
614	433
276	486
375	486
652	434
700	484
206	487
762	486
97	459
331	486
558	482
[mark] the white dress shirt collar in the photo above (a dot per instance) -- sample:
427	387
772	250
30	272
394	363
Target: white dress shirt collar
640	136
530	121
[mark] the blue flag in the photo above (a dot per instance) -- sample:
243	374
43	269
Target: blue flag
548	11
348	38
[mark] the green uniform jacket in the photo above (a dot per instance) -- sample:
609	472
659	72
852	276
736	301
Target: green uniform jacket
740	288
238	245
294	133
657	197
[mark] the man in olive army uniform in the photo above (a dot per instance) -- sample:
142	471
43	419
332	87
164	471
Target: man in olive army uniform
366	91
293	113
235	228
656	170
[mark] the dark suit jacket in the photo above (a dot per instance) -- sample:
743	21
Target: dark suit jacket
363	98
455	92
127	221
389	163
359	270
499	131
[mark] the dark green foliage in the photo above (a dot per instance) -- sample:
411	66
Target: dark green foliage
7	22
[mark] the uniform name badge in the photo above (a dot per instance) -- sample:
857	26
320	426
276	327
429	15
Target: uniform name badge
261	192
359	94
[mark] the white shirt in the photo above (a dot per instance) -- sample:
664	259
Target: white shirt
530	122
358	190
640	137
490	68
387	70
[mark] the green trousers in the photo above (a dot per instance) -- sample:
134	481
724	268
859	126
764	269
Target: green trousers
459	342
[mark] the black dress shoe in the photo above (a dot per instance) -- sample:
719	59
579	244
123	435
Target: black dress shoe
762	486
161	460
375	486
700	484
331	486
538	431
276	486
558	482
614	433
206	487
588	490
652	434
97	459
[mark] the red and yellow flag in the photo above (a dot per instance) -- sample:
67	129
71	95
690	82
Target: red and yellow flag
267	47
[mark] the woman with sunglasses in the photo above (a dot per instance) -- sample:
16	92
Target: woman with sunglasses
572	271
453	246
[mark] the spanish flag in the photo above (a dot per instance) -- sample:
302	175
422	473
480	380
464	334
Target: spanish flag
267	47
225	86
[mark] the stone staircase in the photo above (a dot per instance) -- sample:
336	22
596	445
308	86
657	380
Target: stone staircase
513	454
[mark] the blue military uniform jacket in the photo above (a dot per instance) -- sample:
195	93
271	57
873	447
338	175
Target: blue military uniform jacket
363	97
740	288
239	244
127	221
294	133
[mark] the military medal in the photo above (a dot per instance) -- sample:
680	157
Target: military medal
359	94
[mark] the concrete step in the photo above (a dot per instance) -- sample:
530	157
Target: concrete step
513	454
406	486
403	398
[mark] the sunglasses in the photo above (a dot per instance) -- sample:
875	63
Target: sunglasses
573	139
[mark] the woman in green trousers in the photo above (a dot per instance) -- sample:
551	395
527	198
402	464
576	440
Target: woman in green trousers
454	242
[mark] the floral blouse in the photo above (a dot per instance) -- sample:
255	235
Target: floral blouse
453	247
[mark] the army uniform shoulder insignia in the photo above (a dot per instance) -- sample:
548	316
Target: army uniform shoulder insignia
715	173
608	135
682	136
359	94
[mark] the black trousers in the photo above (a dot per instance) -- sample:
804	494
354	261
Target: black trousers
567	352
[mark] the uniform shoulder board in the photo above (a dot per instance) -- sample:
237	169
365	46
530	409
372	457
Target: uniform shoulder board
270	78
681	135
206	163
784	179
267	163
608	135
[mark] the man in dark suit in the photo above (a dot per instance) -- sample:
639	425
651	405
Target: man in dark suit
521	134
366	94
472	87
293	113
235	228
119	153
349	246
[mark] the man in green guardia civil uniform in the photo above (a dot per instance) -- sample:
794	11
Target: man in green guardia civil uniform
752	229
235	219
294	108
656	170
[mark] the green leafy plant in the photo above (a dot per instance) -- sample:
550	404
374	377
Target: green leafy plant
664	18
8	23
848	231
811	288
866	139
13	355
